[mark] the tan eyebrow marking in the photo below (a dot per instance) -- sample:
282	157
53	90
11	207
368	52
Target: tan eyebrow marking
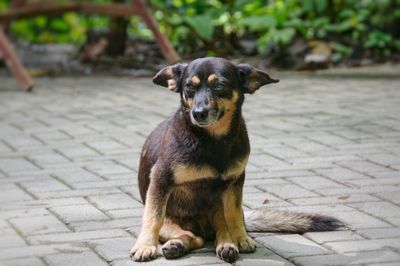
211	78
169	72
195	80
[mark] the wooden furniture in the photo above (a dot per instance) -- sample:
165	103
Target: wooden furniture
21	9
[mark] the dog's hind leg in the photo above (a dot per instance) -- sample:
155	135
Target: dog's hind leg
177	242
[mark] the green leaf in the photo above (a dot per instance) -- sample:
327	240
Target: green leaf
307	5
321	5
284	36
259	23
174	20
340	48
203	25
59	25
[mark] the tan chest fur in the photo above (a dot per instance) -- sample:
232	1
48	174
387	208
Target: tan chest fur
189	173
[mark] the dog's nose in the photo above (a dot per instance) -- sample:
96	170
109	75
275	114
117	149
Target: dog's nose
200	114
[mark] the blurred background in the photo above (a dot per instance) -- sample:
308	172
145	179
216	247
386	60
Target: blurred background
291	34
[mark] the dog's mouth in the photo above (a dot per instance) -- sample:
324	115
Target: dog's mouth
213	117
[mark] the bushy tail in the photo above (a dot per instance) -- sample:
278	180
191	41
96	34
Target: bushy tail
269	220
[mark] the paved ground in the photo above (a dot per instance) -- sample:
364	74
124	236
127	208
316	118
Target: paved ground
69	155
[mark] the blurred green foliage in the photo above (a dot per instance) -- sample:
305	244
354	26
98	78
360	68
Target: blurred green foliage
218	25
346	24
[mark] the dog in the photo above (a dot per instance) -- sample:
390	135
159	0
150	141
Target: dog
192	167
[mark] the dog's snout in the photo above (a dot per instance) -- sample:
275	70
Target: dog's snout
200	114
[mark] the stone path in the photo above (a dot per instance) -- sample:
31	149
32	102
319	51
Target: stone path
69	156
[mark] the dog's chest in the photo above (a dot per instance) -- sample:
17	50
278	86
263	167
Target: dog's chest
184	173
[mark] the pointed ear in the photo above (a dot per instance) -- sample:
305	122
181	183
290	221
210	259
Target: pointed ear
252	78
170	77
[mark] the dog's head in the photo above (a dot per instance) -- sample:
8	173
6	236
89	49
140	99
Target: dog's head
212	88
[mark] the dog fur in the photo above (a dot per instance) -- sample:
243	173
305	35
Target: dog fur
192	167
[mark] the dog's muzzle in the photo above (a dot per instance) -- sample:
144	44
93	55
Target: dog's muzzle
204	116
200	114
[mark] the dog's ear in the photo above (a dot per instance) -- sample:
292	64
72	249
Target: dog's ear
170	77
252	79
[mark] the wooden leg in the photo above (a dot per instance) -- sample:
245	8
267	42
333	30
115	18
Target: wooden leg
165	46
13	63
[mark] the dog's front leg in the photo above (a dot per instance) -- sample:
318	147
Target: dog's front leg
225	247
233	210
157	194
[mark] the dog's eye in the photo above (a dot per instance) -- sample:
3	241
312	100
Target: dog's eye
220	88
190	91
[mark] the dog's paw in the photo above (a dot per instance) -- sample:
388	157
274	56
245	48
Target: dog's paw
227	252
143	252
246	245
174	248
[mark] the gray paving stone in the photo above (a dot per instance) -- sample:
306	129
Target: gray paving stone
10	238
363	166
257	200
76	193
9	165
43	203
292	245
16	213
360	220
48	184
360	190
104	146
39	225
363	245
191	259
339	173
125	213
379	208
285	152
32	261
124	223
48	160
392	196
339	199
14	194
79	213
383	159
288	191
72	176
373	182
22	142
105	184
113	249
262	256
114	201
51	135
81	259
376	233
315	182
323	237
393	220
361	258
40	250
107	168
79	151
277	174
75	236
396	263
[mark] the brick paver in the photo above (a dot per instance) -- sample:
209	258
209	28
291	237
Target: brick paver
69	156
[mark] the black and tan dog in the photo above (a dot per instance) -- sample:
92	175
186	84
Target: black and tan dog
192	167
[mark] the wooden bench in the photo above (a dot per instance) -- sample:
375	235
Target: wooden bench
21	9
